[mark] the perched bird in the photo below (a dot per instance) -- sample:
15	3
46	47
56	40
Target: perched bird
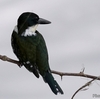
30	48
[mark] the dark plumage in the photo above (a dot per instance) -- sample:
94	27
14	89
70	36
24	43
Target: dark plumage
30	48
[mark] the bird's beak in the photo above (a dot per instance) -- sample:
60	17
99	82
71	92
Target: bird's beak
43	21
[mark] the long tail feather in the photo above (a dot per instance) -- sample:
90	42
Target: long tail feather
52	83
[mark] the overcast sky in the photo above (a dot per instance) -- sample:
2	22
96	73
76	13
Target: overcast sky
73	42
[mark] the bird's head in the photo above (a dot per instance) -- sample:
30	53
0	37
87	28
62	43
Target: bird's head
29	19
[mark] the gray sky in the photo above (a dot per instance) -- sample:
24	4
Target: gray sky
72	40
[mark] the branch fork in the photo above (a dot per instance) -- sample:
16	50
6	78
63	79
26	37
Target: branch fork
80	74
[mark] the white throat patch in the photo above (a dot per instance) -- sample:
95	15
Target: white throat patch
30	31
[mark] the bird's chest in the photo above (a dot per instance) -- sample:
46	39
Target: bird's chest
26	42
27	47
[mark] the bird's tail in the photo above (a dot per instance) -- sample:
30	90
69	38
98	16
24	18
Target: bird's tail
52	83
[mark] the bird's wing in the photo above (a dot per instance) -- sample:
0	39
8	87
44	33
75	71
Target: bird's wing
25	50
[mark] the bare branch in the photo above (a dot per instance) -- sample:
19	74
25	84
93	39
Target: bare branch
75	74
81	74
87	84
5	58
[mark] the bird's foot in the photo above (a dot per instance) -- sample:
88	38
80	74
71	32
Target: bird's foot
20	64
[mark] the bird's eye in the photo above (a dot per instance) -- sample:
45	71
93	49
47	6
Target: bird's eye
36	18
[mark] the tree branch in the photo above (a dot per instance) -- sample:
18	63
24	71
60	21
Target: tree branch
5	58
87	84
81	74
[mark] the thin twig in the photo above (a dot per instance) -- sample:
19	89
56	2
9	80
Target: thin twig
87	84
75	74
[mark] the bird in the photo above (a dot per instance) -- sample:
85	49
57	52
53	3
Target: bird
30	48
